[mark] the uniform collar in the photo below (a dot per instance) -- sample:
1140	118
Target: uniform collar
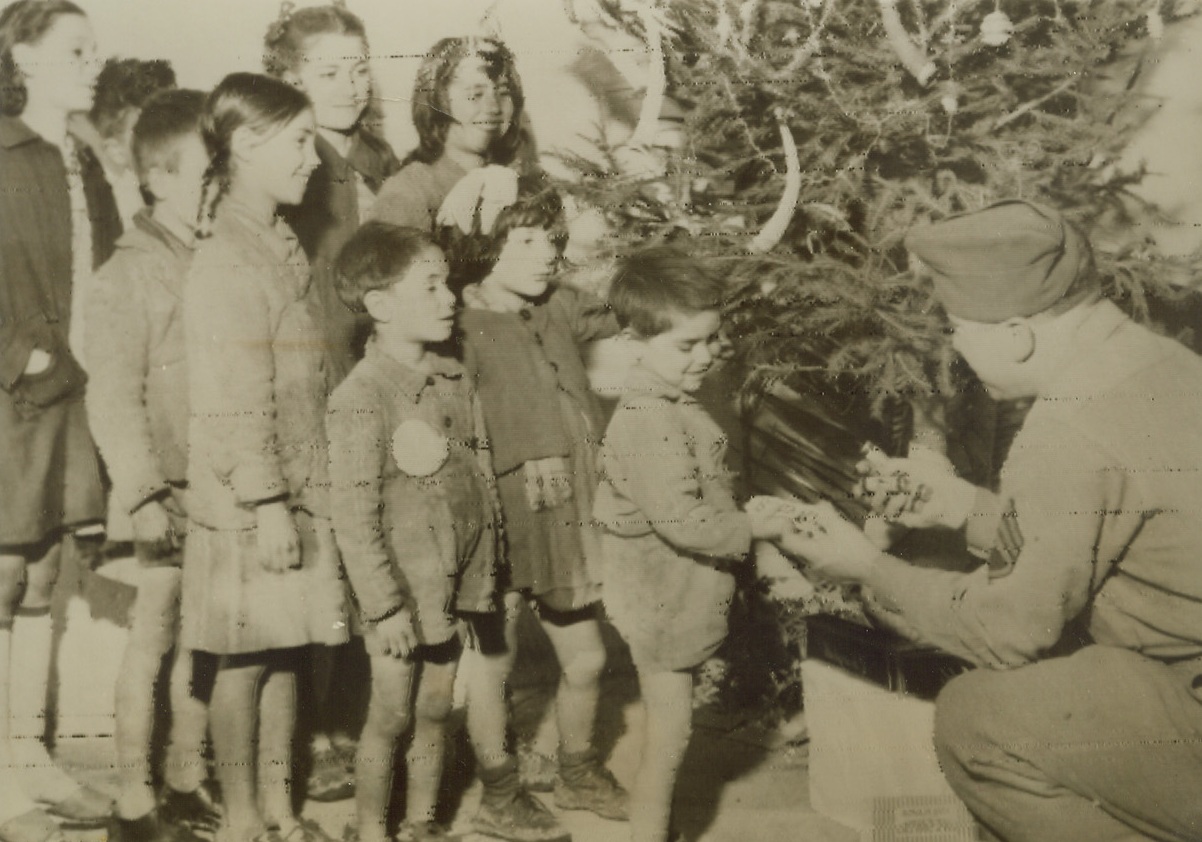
406	380
644	383
1082	373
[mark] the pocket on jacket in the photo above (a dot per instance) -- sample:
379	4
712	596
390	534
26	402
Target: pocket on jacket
63	378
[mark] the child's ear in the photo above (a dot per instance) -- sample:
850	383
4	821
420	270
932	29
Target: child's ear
156	182
1020	340
376	304
242	142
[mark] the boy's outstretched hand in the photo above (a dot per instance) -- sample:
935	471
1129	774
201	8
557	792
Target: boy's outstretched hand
279	546
153	528
831	546
397	634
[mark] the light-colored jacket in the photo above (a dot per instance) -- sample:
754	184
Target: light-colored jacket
257	373
134	337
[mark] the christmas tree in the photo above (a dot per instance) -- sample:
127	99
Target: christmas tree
816	133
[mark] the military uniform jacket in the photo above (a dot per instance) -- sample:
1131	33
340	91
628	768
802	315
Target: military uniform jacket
1100	515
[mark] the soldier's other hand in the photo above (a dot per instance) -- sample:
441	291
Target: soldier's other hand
918	492
831	546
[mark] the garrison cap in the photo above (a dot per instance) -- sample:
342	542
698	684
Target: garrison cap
1012	259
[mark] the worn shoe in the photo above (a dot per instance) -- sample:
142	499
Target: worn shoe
84	809
31	826
305	830
195	810
536	770
331	779
584	784
426	832
522	818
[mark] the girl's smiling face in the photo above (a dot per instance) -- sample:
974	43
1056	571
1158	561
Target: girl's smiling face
61	68
526	262
336	76
481	108
280	163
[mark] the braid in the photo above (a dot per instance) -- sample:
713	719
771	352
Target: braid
215	185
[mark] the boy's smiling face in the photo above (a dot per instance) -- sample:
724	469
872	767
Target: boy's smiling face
418	307
684	353
526	263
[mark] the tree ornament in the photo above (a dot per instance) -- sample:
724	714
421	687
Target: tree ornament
912	57
996	28
418	449
778	223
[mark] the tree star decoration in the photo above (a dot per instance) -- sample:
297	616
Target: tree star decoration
913	58
418	449
996	28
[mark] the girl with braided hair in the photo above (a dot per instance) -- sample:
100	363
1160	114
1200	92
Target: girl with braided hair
261	578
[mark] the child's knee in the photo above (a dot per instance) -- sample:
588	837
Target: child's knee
12	586
434	707
388	716
583	668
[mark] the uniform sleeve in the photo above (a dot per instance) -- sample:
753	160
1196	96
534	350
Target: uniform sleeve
230	356
1040	568
590	317
650	463
359	444
402	201
117	336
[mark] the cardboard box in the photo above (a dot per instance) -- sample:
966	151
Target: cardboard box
872	760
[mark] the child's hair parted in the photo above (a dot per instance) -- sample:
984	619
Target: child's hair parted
253	101
473	255
124	85
653	283
288	36
375	257
432	111
24	22
166	117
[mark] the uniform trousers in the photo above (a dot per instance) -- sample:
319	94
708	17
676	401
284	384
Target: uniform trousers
1104	744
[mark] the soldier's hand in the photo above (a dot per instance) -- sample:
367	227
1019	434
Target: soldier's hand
153	528
830	545
278	542
919	491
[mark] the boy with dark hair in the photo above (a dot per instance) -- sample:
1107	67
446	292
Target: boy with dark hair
138	410
673	533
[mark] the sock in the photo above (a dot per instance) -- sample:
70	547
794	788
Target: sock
13	800
31	652
575	766
501	783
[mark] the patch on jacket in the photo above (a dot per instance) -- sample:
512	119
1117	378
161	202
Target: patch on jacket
1007	545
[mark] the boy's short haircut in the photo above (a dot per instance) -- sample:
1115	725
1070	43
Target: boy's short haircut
166	118
472	256
374	258
125	84
653	283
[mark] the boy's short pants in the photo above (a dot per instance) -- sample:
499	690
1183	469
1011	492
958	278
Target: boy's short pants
486	632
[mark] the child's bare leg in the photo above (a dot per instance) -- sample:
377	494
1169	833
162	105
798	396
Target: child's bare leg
277	726
435	696
668	699
387	719
32	653
581	655
235	713
152	632
13	800
487	706
184	766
